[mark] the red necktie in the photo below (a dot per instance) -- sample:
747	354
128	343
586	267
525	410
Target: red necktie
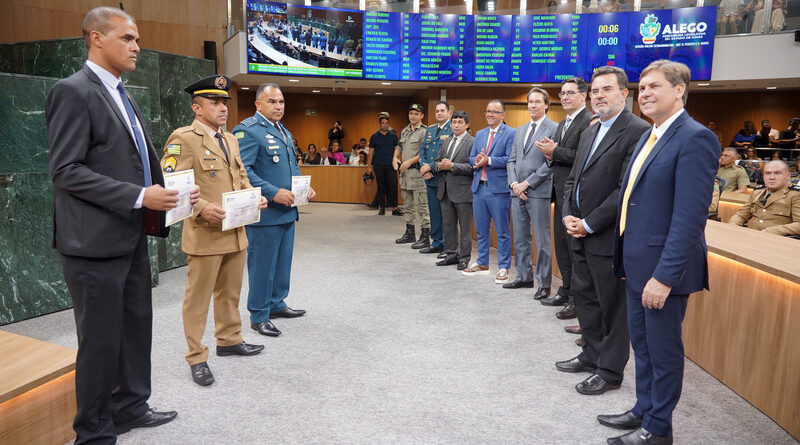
486	152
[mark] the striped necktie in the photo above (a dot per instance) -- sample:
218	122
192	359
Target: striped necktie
637	165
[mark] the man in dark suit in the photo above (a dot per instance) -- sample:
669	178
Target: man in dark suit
107	196
590	211
455	180
659	246
560	154
266	148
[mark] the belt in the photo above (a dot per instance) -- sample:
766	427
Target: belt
486	183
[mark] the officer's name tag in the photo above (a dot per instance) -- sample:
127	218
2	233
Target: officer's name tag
274	147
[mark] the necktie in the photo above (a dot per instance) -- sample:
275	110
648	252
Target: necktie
566	125
283	135
486	152
452	148
637	165
137	134
530	137
765	198
222	146
438	129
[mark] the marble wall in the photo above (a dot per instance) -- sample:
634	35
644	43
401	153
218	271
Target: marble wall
31	283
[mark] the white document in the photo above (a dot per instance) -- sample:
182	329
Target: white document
241	208
300	186
183	182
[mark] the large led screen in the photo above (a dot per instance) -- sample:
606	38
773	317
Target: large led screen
301	40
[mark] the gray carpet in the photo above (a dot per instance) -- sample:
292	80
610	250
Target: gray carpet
396	350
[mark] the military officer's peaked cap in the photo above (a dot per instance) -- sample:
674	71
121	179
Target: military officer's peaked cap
211	87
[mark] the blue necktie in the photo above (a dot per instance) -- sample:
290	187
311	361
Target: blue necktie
137	133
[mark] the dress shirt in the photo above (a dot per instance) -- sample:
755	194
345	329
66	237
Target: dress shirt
110	82
533	126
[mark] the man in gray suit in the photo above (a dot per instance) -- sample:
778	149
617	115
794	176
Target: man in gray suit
455	192
531	182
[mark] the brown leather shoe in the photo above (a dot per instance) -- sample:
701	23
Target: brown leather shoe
579	342
574	329
567	313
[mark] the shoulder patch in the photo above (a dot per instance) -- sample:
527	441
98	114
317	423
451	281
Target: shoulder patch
169	163
239	134
794	188
173	149
762	186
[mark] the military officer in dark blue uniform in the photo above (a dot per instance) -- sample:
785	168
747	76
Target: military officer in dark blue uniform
269	158
435	136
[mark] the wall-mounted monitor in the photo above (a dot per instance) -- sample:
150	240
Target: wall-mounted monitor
304	40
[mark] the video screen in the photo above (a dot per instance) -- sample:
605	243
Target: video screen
303	40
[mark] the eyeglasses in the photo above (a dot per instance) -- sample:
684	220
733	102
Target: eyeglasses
567	93
605	90
494	112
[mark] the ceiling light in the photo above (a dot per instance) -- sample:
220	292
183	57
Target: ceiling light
294	80
703	84
386	83
536	84
378	93
315	91
772	88
244	88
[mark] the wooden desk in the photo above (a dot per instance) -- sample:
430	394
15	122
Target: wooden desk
729	203
745	330
342	183
37	391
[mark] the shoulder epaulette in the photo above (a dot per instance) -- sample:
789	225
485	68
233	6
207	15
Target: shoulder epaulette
250	121
759	187
795	188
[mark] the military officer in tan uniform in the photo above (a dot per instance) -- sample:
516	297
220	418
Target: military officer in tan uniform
773	207
216	258
412	186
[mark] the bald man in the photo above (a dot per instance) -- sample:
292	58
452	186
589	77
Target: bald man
773	207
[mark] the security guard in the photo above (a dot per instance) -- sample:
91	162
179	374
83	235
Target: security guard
773	207
435	136
216	258
412	186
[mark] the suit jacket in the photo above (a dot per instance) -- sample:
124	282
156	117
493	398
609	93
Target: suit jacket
186	149
96	170
270	164
667	210
457	181
527	163
499	152
600	180
564	153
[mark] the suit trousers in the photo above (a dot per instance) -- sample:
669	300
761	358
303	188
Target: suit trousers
220	276
415	207
658	353
457	216
113	309
600	306
488	207
386	177
562	250
269	268
435	214
536	210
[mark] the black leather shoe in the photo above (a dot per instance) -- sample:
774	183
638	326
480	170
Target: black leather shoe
442	255
567	313
266	328
201	374
595	385
431	249
382	211
240	349
462	265
574	365
555	300
147	420
542	292
288	312
516	284
579	342
449	261
373	205
624	421
640	436
397	212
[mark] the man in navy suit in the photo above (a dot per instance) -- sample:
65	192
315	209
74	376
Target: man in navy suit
107	196
660	248
266	148
491	199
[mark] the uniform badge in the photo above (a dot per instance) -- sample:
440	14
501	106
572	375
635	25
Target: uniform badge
174	149
220	82
240	135
170	163
444	137
275	159
273	147
213	174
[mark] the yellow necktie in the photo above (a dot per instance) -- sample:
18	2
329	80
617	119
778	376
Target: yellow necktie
637	165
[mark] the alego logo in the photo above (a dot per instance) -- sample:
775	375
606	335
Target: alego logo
649	29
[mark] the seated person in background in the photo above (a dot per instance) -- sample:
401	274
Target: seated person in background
297	152
745	136
326	158
752	165
311	157
773	207
712	125
736	176
775	156
766	136
795	169
336	152
714	198
788	138
355	153
727	17
777	19
362	158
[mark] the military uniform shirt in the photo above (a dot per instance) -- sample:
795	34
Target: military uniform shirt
736	176
780	215
410	143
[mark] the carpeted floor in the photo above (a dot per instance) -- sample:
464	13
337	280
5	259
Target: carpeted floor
395	350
